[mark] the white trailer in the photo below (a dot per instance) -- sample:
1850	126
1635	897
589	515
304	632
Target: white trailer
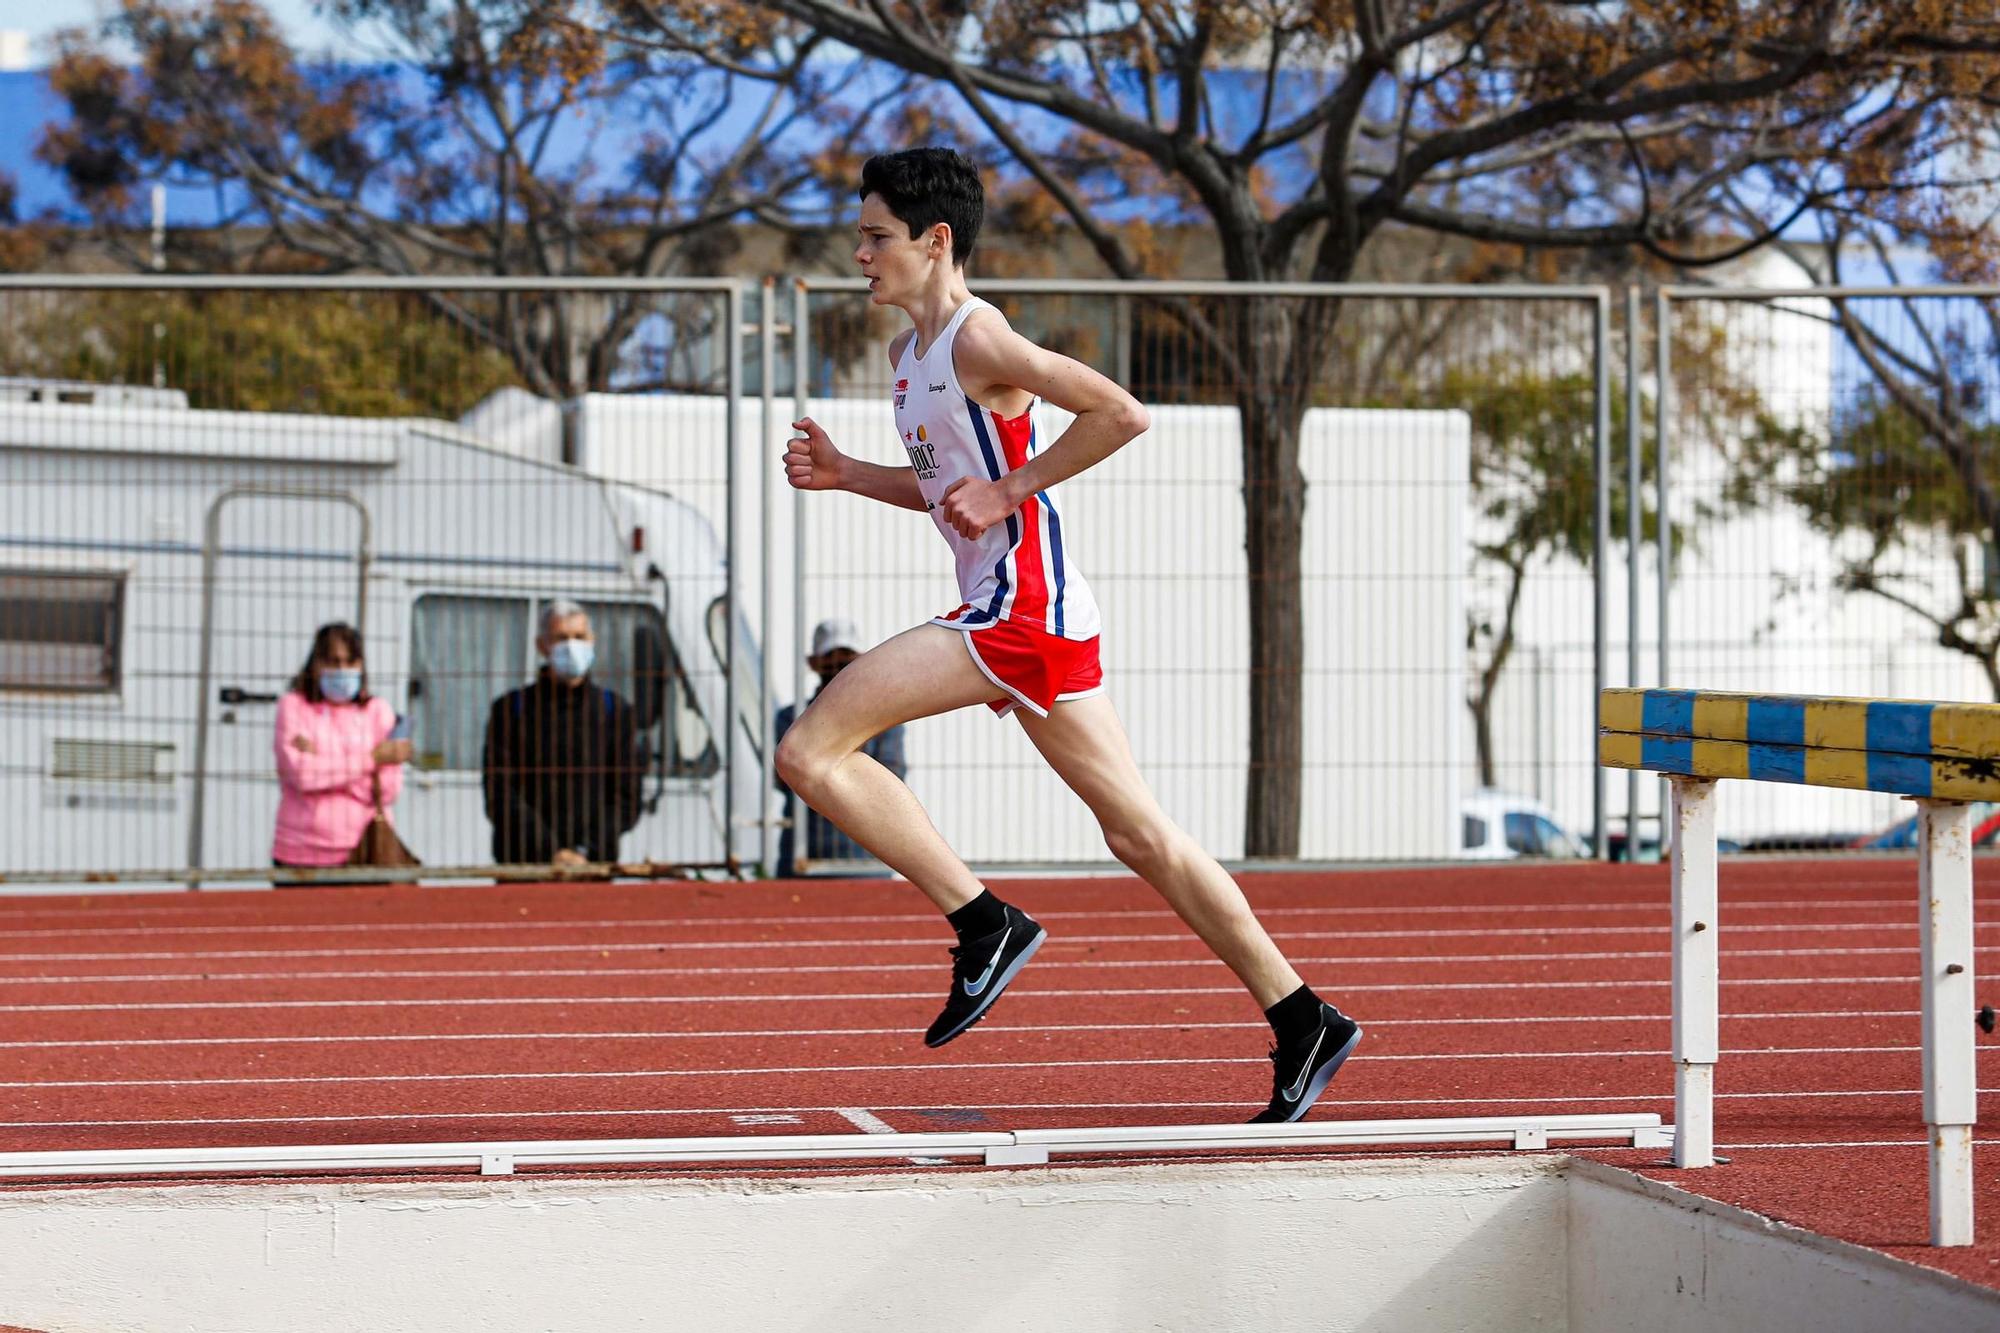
162	571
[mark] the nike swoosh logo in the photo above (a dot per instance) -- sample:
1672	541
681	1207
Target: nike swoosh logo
1292	1093
974	988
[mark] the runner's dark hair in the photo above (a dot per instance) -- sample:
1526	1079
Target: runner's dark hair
926	186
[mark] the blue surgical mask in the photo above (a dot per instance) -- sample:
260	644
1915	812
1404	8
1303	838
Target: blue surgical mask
342	685
571	658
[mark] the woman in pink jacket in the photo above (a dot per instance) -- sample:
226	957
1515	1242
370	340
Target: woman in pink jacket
332	742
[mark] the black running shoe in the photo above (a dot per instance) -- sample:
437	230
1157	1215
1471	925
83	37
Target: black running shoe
1300	1072
981	969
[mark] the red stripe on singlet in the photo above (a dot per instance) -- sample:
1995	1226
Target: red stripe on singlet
1031	585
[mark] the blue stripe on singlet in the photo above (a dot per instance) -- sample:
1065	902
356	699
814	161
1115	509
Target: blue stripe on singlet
1013	524
1055	533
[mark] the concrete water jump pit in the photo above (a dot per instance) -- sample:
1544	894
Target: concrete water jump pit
1383	1244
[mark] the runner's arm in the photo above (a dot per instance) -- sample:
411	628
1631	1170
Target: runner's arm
891	485
991	357
812	463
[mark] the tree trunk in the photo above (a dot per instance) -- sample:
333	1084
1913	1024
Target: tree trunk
1279	348
1274	501
1481	702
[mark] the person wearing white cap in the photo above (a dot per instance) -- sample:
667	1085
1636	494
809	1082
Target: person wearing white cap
835	643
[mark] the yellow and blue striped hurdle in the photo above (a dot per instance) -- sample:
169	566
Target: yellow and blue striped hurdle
1941	755
1943	751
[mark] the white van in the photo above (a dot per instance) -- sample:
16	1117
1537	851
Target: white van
1500	826
162	570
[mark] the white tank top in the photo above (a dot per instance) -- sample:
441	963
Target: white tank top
1020	569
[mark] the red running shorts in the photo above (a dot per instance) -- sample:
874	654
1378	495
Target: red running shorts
1037	669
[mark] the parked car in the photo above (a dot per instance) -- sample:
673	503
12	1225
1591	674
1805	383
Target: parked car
1902	835
1499	826
1649	847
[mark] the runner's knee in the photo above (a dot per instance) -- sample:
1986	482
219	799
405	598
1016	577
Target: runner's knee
1141	845
799	766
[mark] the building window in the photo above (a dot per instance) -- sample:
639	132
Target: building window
60	631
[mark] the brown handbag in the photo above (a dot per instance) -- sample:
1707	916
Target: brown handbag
379	845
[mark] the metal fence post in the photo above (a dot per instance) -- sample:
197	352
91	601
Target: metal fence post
1601	545
1633	535
1663	531
767	353
733	580
801	404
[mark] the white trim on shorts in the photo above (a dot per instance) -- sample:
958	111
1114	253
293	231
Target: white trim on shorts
1020	700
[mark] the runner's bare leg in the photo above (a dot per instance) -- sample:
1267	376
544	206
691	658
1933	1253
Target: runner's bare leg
1086	745
919	673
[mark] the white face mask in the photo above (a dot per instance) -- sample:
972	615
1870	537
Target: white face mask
571	658
341	685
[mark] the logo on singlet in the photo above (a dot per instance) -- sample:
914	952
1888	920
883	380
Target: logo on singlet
923	454
902	391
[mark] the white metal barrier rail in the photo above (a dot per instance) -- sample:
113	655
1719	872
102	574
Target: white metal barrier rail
1021	1147
1941	755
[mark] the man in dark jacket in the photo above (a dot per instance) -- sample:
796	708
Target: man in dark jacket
835	643
563	774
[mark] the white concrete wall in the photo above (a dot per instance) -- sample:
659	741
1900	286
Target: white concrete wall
1508	1243
1647	1258
1375	1246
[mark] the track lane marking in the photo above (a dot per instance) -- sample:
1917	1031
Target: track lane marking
1746	1052
766	1034
1655	903
842	997
940	942
1621	1099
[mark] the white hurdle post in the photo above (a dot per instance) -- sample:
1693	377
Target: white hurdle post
1697	1001
1944	869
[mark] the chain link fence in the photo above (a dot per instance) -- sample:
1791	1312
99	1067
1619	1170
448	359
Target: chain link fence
1441	445
203	473
1830	483
1361	580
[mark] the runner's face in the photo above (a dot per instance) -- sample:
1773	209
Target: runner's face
894	263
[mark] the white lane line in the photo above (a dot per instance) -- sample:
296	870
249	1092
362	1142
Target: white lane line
853	997
869	1123
1654	903
935	941
1746	1052
1577	1099
1044	965
1815	1015
1046	962
1850	1143
865	1121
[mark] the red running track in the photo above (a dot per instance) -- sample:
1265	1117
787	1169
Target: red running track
545	1012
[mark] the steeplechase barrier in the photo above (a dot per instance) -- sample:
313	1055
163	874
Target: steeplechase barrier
1019	1147
1941	755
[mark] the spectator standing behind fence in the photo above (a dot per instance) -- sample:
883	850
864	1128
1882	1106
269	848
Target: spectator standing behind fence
563	776
332	744
835	643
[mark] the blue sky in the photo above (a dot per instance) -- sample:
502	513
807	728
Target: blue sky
41	19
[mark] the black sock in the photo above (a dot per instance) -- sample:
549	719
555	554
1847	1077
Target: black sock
982	916
1294	1017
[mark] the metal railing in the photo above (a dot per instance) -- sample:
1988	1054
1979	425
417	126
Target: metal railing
1390	420
515	441
434	462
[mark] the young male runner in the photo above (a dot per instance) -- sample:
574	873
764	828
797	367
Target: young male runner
1024	638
